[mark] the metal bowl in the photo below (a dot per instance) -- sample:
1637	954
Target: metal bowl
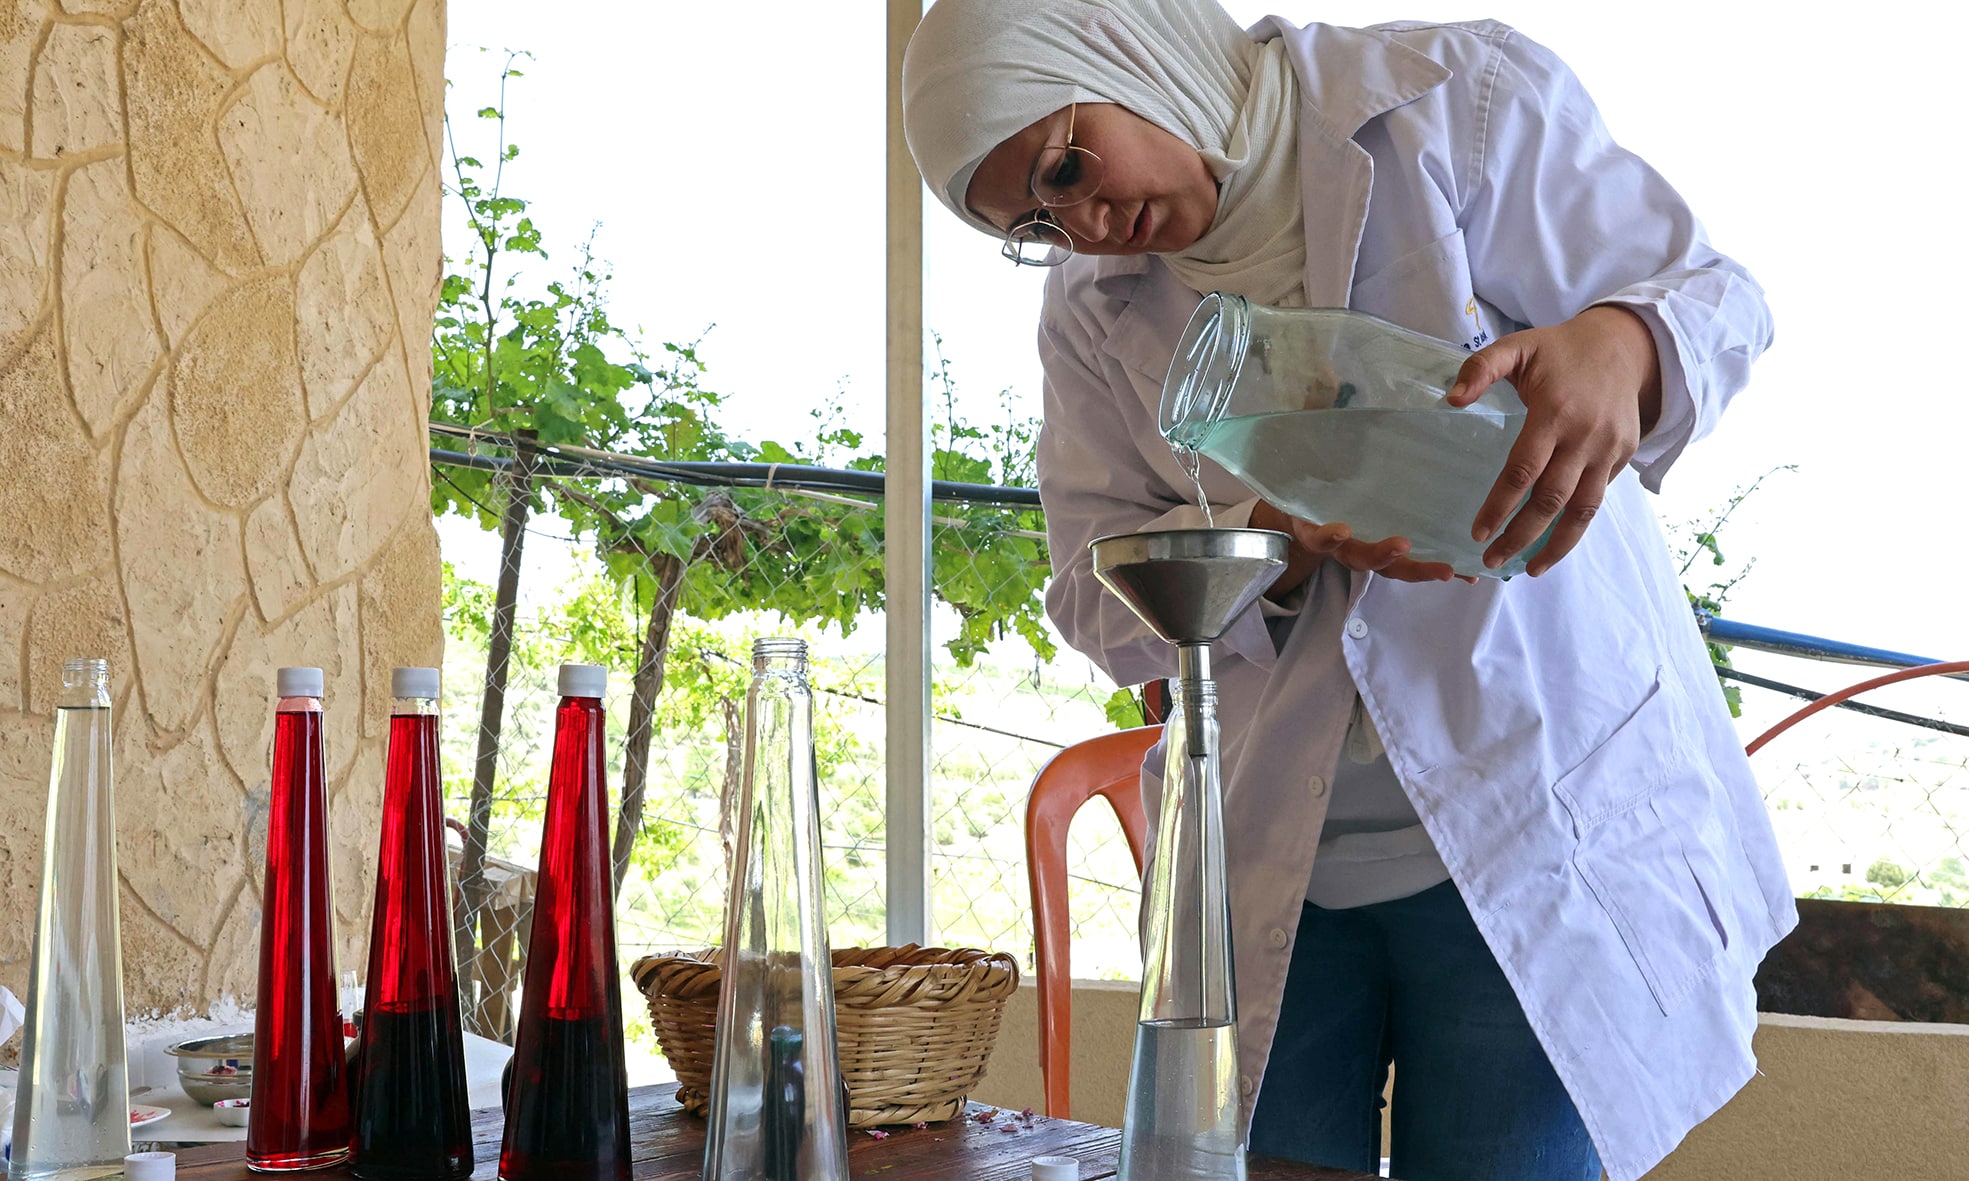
215	1068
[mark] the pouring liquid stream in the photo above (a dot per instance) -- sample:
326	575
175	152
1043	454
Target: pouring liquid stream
1191	461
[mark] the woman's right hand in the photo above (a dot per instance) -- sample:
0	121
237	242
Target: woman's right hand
1313	544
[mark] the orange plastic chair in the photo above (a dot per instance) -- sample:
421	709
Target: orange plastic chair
1107	766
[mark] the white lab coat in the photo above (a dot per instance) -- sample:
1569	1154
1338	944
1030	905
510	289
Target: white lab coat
1562	738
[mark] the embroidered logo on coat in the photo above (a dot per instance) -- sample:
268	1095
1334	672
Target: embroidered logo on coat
1481	336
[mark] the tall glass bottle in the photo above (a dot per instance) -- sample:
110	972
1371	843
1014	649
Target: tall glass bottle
412	1118
300	1113
1182	1121
778	1104
567	1111
72	1107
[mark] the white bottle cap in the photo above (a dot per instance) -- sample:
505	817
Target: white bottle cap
583	680
297	682
150	1166
1055	1168
414	682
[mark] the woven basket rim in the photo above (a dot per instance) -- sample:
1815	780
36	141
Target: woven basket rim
906	958
916	952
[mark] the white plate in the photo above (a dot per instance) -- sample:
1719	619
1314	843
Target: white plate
142	1114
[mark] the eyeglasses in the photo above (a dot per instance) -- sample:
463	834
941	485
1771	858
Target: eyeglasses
1061	177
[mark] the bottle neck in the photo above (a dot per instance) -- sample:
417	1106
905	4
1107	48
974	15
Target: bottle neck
1193	717
1198	697
779	656
415	707
298	705
85	683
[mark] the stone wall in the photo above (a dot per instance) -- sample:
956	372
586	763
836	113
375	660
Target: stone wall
218	263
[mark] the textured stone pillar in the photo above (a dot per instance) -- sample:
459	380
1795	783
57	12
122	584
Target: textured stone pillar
218	263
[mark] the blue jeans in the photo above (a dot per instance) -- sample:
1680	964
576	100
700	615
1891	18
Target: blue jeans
1411	981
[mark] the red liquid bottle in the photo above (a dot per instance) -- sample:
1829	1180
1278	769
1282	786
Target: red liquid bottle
300	1113
567	1109
412	1117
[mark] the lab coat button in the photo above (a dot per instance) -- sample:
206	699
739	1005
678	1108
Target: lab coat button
1318	785
1245	1085
1278	938
1357	628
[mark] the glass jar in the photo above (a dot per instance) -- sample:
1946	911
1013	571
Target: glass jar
1339	417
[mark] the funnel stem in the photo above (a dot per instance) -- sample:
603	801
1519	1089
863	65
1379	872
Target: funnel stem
1193	669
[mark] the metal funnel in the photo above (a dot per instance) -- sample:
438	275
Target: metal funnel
1188	584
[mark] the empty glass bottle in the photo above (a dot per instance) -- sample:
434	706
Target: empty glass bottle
300	1113
1338	416
72	1106
1182	1121
567	1108
412	1116
778	1102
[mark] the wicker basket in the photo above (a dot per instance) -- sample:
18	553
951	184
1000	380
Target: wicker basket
916	1025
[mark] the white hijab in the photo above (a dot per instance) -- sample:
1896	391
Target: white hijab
979	71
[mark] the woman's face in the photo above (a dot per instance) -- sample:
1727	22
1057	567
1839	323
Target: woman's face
1156	195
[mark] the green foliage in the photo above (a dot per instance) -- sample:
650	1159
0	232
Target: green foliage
506	359
1697	539
555	367
539	359
990	562
1848	892
1887	873
1124	709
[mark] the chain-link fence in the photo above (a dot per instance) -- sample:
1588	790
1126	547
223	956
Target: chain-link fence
674	576
667	581
1870	804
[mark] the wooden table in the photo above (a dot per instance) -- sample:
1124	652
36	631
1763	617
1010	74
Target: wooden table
992	1145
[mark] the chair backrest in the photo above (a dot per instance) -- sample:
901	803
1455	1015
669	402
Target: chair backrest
1108	766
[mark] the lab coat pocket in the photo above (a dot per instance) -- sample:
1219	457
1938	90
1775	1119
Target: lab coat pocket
1657	876
1429	290
1649	847
1628	764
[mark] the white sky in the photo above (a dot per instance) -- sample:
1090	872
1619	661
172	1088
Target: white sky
734	164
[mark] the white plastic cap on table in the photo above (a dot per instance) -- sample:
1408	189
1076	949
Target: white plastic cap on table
150	1166
1055	1168
414	682
297	682
583	680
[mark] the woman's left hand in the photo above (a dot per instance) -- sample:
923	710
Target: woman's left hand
1591	388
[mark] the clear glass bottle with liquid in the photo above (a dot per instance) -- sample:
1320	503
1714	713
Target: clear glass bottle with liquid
72	1104
300	1113
779	1106
1182	1122
412	1114
1337	416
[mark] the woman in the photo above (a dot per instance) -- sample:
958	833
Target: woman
1500	834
